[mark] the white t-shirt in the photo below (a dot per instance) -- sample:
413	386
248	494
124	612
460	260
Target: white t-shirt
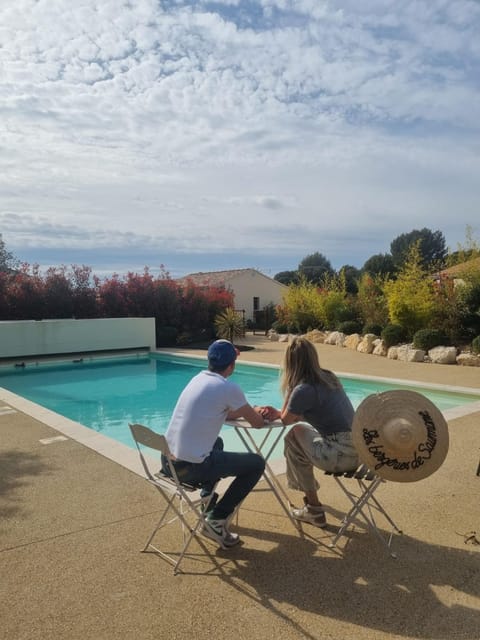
200	413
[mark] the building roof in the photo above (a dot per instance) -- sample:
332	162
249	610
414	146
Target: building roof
219	278
461	268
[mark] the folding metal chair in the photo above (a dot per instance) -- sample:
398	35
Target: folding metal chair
365	504
182	500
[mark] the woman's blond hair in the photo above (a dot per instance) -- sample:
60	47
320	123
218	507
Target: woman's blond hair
301	365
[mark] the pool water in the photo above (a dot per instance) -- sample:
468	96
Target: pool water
108	393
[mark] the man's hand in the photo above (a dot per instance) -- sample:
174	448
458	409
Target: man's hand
268	413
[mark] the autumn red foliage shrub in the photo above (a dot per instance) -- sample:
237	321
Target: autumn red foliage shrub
74	292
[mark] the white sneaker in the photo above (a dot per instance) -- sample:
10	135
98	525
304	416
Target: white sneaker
217	530
312	515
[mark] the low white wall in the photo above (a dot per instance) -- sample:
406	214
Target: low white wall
43	337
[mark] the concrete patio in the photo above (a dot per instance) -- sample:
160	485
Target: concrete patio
73	522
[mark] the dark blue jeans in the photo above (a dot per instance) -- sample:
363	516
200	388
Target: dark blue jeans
247	468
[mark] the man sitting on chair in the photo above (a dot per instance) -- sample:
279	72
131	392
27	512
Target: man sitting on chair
207	401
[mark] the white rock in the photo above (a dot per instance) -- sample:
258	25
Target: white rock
283	337
379	349
340	341
366	345
392	353
468	360
408	354
335	337
443	355
316	336
352	341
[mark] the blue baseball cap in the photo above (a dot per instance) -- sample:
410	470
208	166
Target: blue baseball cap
221	353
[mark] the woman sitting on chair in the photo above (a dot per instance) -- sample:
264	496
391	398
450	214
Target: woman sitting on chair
321	415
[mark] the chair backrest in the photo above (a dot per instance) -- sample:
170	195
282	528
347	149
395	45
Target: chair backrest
144	436
148	438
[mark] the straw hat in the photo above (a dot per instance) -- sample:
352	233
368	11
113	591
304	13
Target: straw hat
400	435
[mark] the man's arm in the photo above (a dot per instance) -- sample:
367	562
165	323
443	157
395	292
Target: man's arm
252	415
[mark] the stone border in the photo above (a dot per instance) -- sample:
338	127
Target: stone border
370	343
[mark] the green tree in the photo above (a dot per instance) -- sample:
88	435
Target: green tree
431	245
380	264
8	262
371	302
351	275
306	306
459	297
302	308
286	277
315	267
334	303
451	309
411	297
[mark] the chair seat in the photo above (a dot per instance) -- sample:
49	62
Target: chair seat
160	475
360	473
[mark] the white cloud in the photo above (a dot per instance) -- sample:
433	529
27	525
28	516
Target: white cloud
293	123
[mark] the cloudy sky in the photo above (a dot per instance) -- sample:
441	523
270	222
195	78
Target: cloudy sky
236	133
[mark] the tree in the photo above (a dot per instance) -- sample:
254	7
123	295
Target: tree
371	301
351	275
287	277
302	307
26	294
58	294
380	264
8	262
112	297
411	297
335	306
84	292
431	247
315	267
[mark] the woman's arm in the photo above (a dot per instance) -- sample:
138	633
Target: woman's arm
287	417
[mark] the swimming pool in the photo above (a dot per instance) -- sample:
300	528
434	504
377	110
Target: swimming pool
105	394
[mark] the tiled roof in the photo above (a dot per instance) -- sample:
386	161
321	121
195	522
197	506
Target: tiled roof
463	267
213	278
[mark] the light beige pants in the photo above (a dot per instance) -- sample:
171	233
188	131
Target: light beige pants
305	448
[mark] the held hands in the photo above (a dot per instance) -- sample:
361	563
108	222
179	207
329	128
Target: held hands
268	413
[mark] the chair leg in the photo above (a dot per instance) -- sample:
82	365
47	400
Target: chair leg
185	506
162	520
369	501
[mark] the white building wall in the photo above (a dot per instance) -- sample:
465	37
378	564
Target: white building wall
43	337
252	284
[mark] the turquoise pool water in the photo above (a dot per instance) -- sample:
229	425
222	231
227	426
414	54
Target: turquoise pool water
108	393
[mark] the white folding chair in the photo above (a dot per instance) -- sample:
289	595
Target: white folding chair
183	501
364	504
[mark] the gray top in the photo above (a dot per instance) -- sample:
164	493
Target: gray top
327	410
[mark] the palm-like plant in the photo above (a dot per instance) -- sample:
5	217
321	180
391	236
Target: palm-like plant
229	324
